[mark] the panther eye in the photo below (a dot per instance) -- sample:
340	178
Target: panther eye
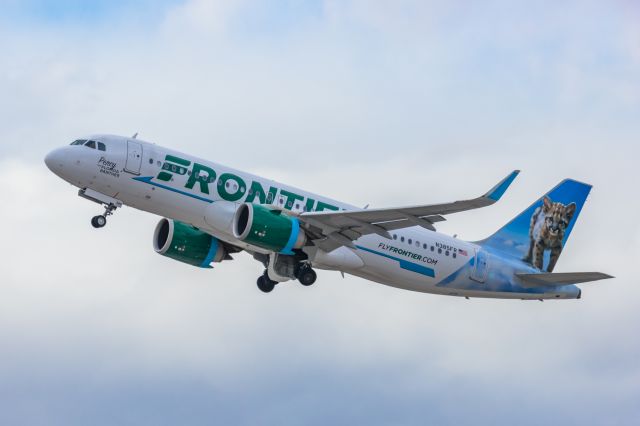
549	220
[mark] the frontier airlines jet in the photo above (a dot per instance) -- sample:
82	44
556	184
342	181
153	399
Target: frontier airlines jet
211	211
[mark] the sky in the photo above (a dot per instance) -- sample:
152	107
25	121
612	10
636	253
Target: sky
369	102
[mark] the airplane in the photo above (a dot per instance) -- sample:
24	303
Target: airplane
210	212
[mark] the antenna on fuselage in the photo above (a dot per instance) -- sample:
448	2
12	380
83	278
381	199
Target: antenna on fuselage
135	136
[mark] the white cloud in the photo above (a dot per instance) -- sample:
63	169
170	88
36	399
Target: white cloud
202	16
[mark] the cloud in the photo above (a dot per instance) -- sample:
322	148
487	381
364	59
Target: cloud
161	332
202	16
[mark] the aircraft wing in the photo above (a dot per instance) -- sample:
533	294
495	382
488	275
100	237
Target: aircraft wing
330	230
554	279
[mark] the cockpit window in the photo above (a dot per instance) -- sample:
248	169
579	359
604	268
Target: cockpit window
101	147
91	144
79	142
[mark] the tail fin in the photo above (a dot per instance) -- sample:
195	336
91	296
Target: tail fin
538	234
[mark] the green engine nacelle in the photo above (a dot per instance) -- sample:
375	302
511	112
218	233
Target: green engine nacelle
187	244
267	228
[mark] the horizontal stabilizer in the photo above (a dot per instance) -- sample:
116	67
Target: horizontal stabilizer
554	279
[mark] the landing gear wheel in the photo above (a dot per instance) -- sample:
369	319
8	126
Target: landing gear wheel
101	220
306	275
265	284
98	221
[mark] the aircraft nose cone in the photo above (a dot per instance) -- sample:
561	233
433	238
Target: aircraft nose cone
53	160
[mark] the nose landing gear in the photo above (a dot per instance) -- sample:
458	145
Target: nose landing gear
98	221
101	220
110	203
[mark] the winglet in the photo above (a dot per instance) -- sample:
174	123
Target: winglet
498	191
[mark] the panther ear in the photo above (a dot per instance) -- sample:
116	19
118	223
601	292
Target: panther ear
546	204
571	209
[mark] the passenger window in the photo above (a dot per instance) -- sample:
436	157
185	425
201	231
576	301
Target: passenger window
102	147
409	240
91	144
439	251
432	248
402	239
454	255
395	236
418	244
446	253
424	246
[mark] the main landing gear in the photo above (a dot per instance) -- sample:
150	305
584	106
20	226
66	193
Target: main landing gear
281	268
101	220
266	284
304	274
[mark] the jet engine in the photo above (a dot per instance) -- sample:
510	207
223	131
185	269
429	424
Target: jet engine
184	243
270	229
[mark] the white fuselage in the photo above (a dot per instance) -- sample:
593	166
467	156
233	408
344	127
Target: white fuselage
415	259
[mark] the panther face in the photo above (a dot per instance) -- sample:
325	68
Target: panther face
556	216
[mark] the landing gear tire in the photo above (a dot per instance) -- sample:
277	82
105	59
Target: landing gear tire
101	220
306	275
265	284
98	221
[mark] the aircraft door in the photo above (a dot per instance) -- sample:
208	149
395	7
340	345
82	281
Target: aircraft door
481	266
134	157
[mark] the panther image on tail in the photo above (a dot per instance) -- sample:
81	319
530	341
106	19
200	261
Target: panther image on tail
546	232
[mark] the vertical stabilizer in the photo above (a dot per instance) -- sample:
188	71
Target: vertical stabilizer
538	234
